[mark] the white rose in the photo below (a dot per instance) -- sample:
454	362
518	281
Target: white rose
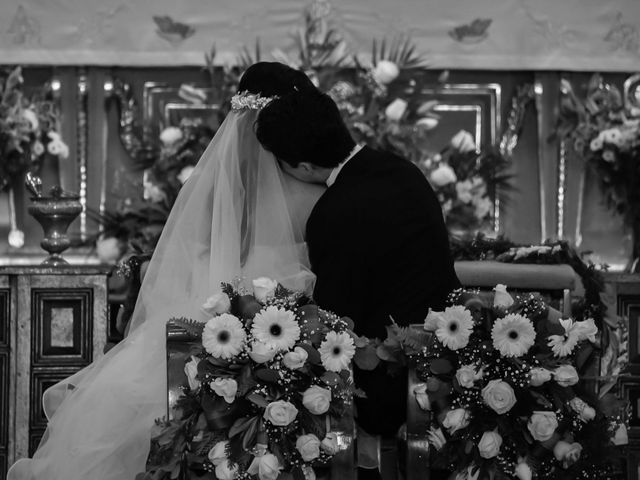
153	193
566	375
225	387
280	413
260	353
308	446
268	467
502	298
612	135
443	175
185	173
37	148
427	123
482	206
224	471
108	250
523	471
463	190
385	72
621	436
567	453
217	304
463	142
31	117
585	411
456	419
191	371
542	425
64	150
395	110
539	376
55	136
264	288
57	148
308	472
317	399
596	144
490	444
330	444
432	320
294	360
466	375
170	136
499	396
218	453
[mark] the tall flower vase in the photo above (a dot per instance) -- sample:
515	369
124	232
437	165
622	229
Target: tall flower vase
55	212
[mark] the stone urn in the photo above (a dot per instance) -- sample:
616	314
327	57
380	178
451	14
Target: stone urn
55	212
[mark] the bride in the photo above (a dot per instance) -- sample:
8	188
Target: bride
236	217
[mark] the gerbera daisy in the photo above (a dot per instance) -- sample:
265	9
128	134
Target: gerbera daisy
336	351
223	336
276	328
562	345
454	327
513	335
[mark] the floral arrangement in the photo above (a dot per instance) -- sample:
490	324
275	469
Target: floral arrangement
29	129
467	182
266	386
137	223
607	137
504	378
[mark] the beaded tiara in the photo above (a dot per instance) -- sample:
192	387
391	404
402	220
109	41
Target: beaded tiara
249	101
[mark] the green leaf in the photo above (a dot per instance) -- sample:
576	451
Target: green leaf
330	378
441	366
248	440
240	425
313	356
268	375
258	400
366	358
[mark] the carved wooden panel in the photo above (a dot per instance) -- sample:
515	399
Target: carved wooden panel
40	382
4	402
629	308
62	326
4	379
4	318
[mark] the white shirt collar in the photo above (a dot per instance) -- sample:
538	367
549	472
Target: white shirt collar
334	173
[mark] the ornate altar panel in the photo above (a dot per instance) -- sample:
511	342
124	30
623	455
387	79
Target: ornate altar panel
53	322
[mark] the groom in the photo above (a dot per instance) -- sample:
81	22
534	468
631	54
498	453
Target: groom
377	240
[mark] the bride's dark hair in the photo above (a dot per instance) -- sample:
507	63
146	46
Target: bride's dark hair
273	79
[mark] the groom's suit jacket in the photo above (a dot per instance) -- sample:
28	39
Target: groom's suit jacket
379	247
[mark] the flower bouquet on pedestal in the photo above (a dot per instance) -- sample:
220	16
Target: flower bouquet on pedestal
607	137
467	182
266	390
138	222
28	129
505	381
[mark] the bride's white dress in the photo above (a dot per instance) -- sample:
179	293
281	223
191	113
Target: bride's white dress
237	216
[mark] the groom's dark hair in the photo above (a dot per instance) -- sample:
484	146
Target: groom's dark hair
304	127
272	79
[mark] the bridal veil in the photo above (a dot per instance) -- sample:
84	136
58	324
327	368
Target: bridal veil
232	220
